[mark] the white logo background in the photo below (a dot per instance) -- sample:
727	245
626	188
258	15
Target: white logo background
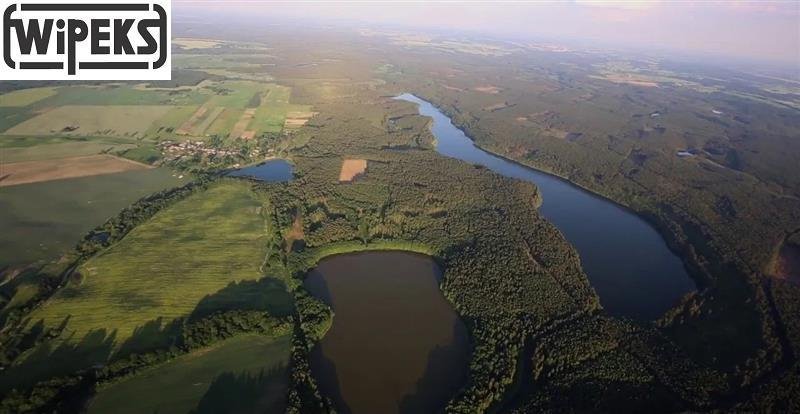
155	66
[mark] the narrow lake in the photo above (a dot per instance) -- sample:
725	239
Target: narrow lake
626	260
396	344
276	170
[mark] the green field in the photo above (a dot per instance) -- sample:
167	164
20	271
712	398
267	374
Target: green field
173	119
137	112
109	120
165	267
25	97
61	150
242	374
121	95
43	220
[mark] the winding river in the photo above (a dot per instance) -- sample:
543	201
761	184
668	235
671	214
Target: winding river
628	263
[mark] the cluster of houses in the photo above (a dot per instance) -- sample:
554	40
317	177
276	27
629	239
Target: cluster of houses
176	150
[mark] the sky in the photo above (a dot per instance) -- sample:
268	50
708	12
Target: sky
765	30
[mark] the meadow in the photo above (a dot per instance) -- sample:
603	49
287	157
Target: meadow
25	97
113	120
246	373
42	220
196	247
52	125
199	257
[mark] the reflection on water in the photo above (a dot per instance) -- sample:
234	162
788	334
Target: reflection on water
396	345
626	260
276	170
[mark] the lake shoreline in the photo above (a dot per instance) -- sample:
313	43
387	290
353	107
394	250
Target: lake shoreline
676	248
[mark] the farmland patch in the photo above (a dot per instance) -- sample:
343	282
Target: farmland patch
58	169
116	120
25	97
351	169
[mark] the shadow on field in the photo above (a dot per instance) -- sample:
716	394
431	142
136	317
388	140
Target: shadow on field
155	334
264	392
267	294
59	357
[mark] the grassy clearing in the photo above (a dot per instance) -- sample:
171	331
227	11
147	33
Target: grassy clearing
166	266
25	97
121	95
224	123
147	154
180	385
168	124
274	110
10	116
269	118
60	150
118	120
41	221
206	122
236	94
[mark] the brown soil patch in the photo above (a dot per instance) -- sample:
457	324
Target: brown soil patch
487	89
351	169
295	233
57	169
787	263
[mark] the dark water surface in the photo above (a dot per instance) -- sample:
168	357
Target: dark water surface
276	170
626	260
396	345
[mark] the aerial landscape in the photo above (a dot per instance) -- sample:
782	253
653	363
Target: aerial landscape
373	209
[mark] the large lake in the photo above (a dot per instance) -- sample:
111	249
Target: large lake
626	260
396	344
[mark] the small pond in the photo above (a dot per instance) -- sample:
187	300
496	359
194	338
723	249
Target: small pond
275	170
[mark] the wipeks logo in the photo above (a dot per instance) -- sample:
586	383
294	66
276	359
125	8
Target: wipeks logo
86	40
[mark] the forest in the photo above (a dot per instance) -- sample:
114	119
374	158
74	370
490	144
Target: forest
539	338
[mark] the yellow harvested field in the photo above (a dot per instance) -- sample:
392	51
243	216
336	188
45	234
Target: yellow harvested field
296	119
57	169
300	114
487	89
294	123
118	120
351	169
191	43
